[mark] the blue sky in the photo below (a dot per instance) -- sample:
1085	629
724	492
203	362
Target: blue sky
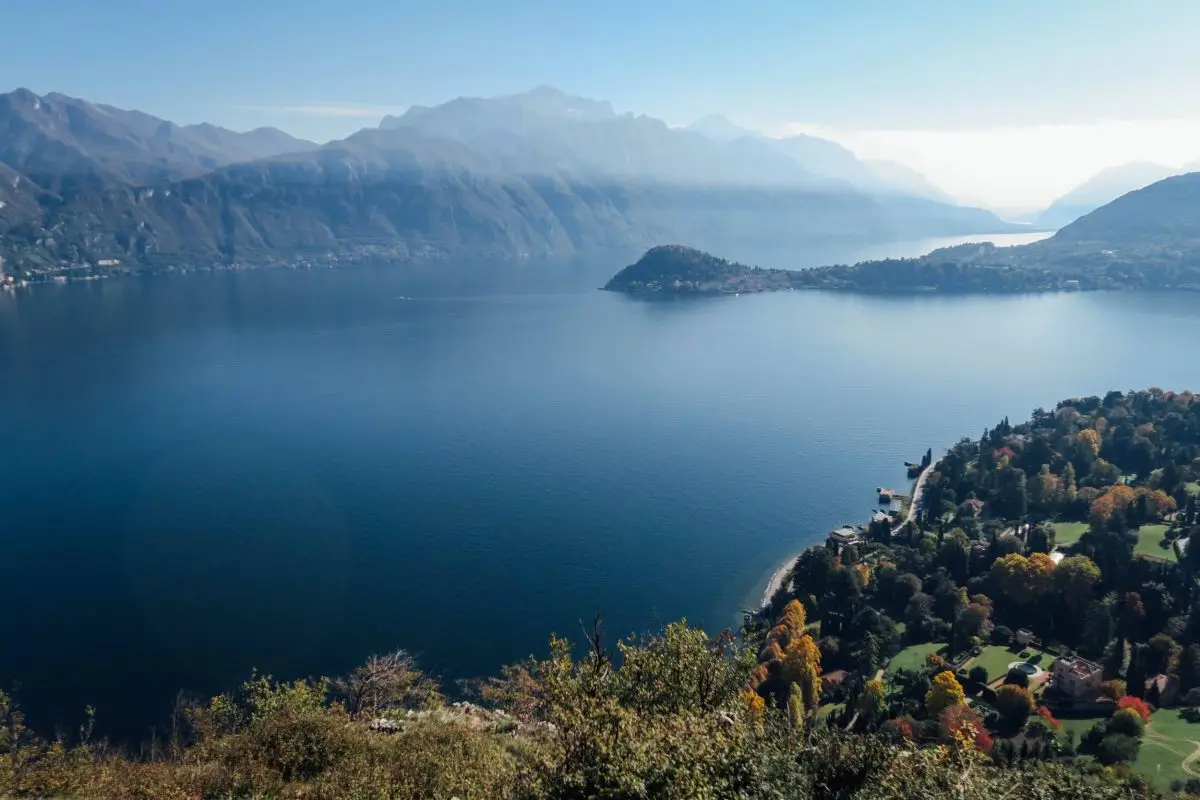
324	69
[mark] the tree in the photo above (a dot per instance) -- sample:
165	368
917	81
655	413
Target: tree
1016	677
1089	440
1045	490
813	570
946	692
1011	501
1127	722
872	702
1189	666
905	586
682	669
962	725
1113	690
385	683
1098	628
978	674
802	666
972	622
1015	704
1023	580
1139	505
919	606
1117	748
1135	705
1158	653
1069	486
1075	578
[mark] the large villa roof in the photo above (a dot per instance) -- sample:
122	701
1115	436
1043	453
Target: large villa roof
1080	667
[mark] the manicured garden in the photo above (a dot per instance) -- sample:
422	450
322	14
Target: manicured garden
914	656
1068	533
1149	543
995	659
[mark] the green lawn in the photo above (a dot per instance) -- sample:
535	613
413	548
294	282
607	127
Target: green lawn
1170	741
1149	537
1068	533
913	656
995	660
1079	726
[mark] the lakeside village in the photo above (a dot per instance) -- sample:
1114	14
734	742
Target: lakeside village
113	267
1035	587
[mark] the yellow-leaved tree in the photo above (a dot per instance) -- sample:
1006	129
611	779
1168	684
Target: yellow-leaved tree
802	667
1024	580
946	692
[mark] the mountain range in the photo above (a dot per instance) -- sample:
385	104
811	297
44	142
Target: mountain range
1145	239
525	176
1103	187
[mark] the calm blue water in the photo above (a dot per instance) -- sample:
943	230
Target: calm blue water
290	471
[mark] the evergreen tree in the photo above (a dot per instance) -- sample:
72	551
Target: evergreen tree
1135	676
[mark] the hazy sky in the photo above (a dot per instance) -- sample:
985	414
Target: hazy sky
1007	101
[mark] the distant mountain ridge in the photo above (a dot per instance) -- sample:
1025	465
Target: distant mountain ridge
1146	239
526	176
54	137
832	161
1103	187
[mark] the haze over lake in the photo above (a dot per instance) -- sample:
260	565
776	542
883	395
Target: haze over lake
291	470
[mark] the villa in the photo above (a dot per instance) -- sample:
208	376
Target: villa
846	536
1077	676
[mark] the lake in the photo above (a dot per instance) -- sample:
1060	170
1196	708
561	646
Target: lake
290	471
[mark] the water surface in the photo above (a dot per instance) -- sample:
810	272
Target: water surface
289	471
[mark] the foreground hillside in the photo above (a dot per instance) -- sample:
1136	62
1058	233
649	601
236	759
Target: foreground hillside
674	721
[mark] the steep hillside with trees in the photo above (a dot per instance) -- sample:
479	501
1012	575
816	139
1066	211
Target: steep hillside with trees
979	581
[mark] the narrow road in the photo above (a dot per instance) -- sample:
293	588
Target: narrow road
918	490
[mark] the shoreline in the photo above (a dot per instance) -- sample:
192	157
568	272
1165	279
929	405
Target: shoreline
776	581
777	577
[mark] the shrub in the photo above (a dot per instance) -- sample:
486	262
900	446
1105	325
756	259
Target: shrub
1116	748
1192	698
1127	722
1045	714
961	723
1136	704
899	728
290	731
